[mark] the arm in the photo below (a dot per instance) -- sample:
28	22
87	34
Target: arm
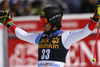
78	35
21	34
5	18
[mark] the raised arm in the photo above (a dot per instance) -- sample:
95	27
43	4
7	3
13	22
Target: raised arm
5	18
72	37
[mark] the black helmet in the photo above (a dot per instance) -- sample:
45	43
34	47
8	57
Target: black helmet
52	14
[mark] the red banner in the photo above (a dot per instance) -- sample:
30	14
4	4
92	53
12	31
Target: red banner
81	53
22	53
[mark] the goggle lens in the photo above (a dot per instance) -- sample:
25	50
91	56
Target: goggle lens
43	20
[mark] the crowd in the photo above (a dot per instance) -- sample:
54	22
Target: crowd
33	7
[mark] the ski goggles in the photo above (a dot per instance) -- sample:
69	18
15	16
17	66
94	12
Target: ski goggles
43	20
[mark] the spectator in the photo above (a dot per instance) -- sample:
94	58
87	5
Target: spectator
73	5
33	7
36	7
15	8
88	6
27	10
59	3
4	5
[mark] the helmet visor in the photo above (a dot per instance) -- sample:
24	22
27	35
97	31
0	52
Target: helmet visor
43	20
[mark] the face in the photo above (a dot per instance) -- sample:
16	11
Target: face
46	27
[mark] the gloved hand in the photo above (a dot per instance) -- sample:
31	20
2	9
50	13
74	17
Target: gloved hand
95	17
6	18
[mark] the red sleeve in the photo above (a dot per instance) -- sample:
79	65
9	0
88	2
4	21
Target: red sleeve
92	25
12	28
7	21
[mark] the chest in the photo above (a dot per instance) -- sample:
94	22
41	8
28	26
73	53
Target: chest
51	48
50	42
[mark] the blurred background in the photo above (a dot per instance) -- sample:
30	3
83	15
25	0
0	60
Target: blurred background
17	53
33	7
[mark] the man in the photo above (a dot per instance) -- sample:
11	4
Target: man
53	44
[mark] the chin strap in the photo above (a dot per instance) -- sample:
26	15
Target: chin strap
48	33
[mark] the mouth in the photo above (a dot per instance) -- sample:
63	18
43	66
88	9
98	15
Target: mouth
44	28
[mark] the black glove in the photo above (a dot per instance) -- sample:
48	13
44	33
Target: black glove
95	17
6	18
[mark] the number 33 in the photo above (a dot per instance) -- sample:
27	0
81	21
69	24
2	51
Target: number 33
45	54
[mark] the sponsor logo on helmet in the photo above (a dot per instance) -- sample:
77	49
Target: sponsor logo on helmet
55	16
42	13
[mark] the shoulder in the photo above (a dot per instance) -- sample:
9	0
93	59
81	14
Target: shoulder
38	38
66	32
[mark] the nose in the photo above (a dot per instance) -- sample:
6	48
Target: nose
42	25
